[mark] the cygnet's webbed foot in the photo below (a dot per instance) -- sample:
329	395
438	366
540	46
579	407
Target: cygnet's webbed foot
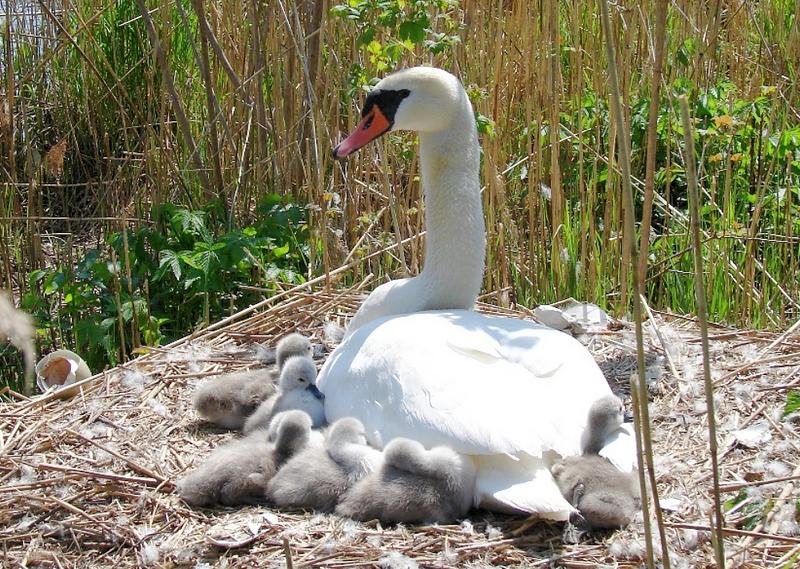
575	529
577	494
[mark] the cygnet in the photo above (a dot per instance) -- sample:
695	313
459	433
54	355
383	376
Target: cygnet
238	472
605	417
291	345
227	400
318	475
414	485
296	390
604	496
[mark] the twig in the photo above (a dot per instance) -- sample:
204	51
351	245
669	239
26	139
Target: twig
223	544
763	351
287	553
95	474
133	466
734	486
629	234
732	531
667	352
702	312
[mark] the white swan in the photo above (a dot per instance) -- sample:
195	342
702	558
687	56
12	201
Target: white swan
417	362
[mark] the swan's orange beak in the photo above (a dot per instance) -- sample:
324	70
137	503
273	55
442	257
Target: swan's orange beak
371	127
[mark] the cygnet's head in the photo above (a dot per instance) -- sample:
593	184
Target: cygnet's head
424	99
299	372
347	430
290	423
606	415
293	344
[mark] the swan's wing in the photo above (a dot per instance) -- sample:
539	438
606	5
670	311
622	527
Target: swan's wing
525	485
620	449
464	380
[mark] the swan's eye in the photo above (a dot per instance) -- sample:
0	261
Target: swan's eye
301	380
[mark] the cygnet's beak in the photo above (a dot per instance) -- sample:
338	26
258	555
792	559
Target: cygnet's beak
371	127
315	392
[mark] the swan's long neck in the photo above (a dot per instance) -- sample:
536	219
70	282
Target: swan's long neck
456	237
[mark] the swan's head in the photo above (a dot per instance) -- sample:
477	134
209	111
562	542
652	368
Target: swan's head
424	99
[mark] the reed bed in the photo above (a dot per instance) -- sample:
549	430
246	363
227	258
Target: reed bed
112	110
89	481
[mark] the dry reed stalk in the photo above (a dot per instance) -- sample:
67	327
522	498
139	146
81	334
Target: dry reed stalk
117	287
627	196
659	44
8	98
211	102
702	312
177	104
637	400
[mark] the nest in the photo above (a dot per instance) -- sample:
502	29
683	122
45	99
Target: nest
89	481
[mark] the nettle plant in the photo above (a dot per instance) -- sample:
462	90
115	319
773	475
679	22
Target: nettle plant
157	283
387	29
394	33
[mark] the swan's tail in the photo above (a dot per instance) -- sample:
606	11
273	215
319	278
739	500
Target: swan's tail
504	484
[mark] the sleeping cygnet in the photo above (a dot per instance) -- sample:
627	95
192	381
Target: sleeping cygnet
414	485
297	389
604	496
238	472
227	400
317	477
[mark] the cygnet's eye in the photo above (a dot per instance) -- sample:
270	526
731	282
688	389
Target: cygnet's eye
301	379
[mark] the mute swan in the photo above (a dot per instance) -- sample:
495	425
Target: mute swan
413	485
317	477
417	362
296	390
604	496
238	472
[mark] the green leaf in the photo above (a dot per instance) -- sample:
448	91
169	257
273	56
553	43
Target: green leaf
279	252
202	260
686	51
191	223
411	31
792	402
169	258
366	36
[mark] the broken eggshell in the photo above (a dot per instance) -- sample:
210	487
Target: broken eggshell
60	369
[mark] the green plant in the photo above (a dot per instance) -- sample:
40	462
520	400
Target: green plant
154	284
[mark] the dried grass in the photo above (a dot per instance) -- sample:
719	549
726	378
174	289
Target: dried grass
88	482
54	159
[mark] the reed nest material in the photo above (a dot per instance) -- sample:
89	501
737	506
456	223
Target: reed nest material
89	481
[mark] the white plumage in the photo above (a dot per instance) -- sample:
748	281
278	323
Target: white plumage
417	362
